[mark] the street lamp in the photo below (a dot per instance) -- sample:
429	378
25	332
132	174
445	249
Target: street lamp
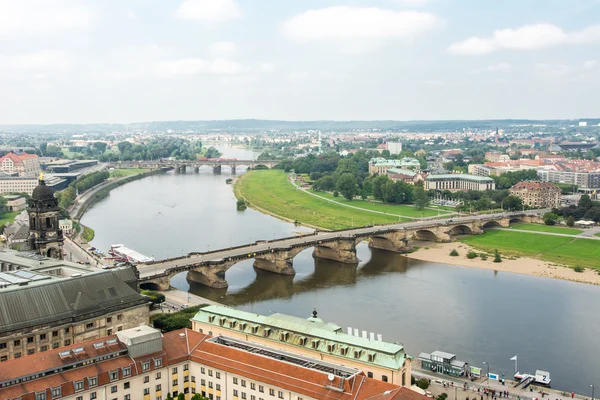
488	370
592	386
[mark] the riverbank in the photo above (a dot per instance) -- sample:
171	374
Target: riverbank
440	253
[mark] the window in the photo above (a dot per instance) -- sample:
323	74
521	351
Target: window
235	381
56	392
18	354
127	397
315	344
146	379
92	381
218	387
119	317
147	391
243	395
280	394
43	336
108	320
261	388
67	342
158	388
127	371
113	375
186	378
30	351
193	378
89	325
202	370
55	345
40	396
126	385
93	396
2	345
369	374
202	382
185	367
252	385
109	332
158	363
78	385
384	378
67	330
371	357
3	358
174	382
210	385
17	343
218	375
79	398
158	375
252	397
243	383
30	339
175	370
114	389
330	347
272	392
145	365
235	392
210	372
44	348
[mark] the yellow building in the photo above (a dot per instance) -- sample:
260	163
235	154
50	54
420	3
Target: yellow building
537	194
310	337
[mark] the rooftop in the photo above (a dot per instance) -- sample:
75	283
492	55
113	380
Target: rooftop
460	176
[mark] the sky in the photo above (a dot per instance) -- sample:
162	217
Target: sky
120	61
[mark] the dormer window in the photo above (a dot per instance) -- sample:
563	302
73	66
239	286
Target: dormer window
232	324
211	318
266	332
222	321
357	353
303	341
284	336
315	344
371	357
330	347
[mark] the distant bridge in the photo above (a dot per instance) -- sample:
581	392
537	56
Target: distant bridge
180	166
277	255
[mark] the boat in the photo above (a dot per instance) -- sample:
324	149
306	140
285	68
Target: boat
541	378
118	250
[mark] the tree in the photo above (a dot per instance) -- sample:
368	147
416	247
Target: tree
98	147
512	203
585	201
570	221
423	383
181	396
497	257
550	218
124	147
153	296
43	147
420	198
377	184
454	253
347	186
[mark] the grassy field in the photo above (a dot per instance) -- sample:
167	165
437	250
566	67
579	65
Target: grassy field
597	234
546	228
8	218
119	173
559	249
271	191
398	209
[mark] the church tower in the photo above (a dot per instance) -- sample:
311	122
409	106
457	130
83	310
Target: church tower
45	236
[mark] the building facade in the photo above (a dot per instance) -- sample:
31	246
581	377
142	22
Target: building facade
141	363
51	303
394	147
311	337
16	184
537	194
25	165
45	236
459	182
380	165
15	202
583	180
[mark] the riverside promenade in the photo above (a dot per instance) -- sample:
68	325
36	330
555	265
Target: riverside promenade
475	390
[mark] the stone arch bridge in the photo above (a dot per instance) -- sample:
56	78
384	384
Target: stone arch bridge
180	166
277	255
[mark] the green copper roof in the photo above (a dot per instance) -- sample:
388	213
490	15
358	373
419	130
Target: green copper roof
310	333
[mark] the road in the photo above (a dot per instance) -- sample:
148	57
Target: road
149	270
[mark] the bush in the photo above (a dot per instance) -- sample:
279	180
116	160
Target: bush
578	268
241	205
176	320
153	296
423	383
471	254
497	257
454	253
336	193
570	221
88	234
413	381
442	396
483	256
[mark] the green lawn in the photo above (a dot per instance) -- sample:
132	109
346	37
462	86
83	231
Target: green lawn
559	249
271	191
546	228
119	173
8	218
597	234
398	209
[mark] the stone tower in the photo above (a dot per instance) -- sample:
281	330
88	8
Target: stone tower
45	236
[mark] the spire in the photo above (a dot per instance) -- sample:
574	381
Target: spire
314	313
41	178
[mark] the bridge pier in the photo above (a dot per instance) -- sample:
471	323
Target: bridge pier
278	261
393	241
210	275
233	169
217	169
196	169
342	250
163	282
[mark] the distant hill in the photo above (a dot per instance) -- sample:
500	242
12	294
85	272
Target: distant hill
254	125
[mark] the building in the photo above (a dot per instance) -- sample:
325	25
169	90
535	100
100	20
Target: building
458	182
45	236
443	363
17	184
394	147
537	194
24	165
310	337
404	175
381	165
50	303
15	202
494	156
66	225
583	180
67	166
143	363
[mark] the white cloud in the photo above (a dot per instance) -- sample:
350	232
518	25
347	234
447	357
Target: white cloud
42	17
552	70
591	64
502	67
412	3
208	10
528	37
42	61
195	66
223	49
358	29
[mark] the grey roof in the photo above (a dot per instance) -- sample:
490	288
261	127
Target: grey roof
17	232
443	354
458	364
55	300
141	334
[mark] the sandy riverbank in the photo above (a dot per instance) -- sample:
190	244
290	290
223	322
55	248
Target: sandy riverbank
440	253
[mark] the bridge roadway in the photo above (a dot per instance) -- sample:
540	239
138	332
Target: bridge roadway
180	165
328	240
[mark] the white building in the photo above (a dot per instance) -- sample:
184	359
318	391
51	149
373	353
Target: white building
394	147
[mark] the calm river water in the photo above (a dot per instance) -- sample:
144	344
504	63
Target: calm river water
479	315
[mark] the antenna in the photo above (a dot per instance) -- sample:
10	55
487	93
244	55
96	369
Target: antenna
330	377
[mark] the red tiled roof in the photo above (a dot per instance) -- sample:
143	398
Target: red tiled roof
535	185
17	158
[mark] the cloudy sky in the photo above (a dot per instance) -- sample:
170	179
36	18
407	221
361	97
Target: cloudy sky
64	61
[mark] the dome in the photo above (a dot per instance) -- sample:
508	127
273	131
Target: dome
42	192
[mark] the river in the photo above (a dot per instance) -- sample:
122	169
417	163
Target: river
479	315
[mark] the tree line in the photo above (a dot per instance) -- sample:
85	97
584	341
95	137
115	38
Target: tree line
68	196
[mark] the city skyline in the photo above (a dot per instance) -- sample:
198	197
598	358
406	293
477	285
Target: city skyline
83	62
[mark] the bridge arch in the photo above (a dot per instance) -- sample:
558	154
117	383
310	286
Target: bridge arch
150	286
426	234
515	220
460	230
491	224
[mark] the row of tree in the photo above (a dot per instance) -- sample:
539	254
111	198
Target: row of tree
585	209
68	196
